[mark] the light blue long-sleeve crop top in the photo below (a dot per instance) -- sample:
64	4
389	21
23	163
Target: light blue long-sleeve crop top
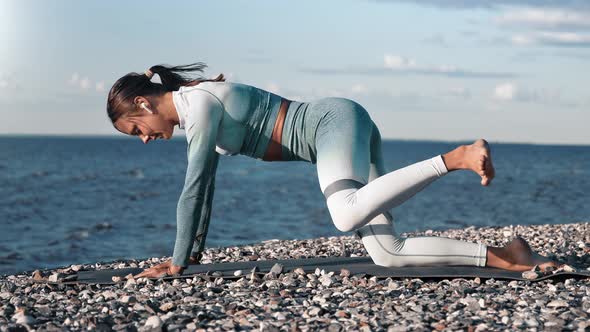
219	118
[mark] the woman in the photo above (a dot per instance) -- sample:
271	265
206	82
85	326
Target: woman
336	134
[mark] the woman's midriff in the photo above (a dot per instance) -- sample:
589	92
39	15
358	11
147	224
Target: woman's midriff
275	148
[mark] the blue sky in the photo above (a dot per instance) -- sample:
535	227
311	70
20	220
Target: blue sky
515	71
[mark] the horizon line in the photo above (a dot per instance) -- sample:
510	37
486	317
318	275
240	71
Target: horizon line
174	138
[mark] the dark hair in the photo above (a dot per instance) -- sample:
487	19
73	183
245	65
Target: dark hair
125	89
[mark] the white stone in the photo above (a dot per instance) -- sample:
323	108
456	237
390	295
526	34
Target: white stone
108	295
557	304
154	322
279	316
23	319
482	303
55	277
326	280
130	283
128	299
568	268
532	322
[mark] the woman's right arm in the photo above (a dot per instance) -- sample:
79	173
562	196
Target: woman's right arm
204	220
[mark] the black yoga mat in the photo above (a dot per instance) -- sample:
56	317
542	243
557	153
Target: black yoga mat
356	266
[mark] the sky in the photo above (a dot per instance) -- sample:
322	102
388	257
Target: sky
447	70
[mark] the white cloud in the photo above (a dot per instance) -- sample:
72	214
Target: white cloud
436	39
505	91
100	86
320	92
548	26
460	92
553	39
359	89
7	81
493	5
74	79
398	62
447	69
231	76
86	83
522	40
404	64
511	92
564	37
296	97
552	18
336	93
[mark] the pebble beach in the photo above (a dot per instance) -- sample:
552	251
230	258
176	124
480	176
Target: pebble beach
299	301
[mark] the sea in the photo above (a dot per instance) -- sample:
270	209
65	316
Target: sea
86	199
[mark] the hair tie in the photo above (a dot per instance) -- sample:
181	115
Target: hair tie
149	74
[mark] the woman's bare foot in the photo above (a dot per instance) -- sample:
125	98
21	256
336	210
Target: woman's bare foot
517	256
476	157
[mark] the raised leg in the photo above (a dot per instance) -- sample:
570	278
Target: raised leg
387	248
343	162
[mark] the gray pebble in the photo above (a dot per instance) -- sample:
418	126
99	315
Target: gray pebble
320	300
154	322
277	268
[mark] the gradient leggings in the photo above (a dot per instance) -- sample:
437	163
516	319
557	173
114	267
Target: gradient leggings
360	192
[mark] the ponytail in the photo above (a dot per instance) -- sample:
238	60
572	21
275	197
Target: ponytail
172	80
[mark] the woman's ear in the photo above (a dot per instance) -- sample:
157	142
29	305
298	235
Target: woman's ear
139	100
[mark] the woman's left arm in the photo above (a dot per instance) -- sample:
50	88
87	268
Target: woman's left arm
194	205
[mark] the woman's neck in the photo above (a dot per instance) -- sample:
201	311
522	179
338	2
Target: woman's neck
165	104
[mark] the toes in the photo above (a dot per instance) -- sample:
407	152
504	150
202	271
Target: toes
489	168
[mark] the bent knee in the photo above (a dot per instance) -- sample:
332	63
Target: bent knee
343	225
386	251
347	219
347	214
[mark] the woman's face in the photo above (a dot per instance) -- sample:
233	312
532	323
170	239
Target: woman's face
146	126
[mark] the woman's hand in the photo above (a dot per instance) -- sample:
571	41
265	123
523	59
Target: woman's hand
161	270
